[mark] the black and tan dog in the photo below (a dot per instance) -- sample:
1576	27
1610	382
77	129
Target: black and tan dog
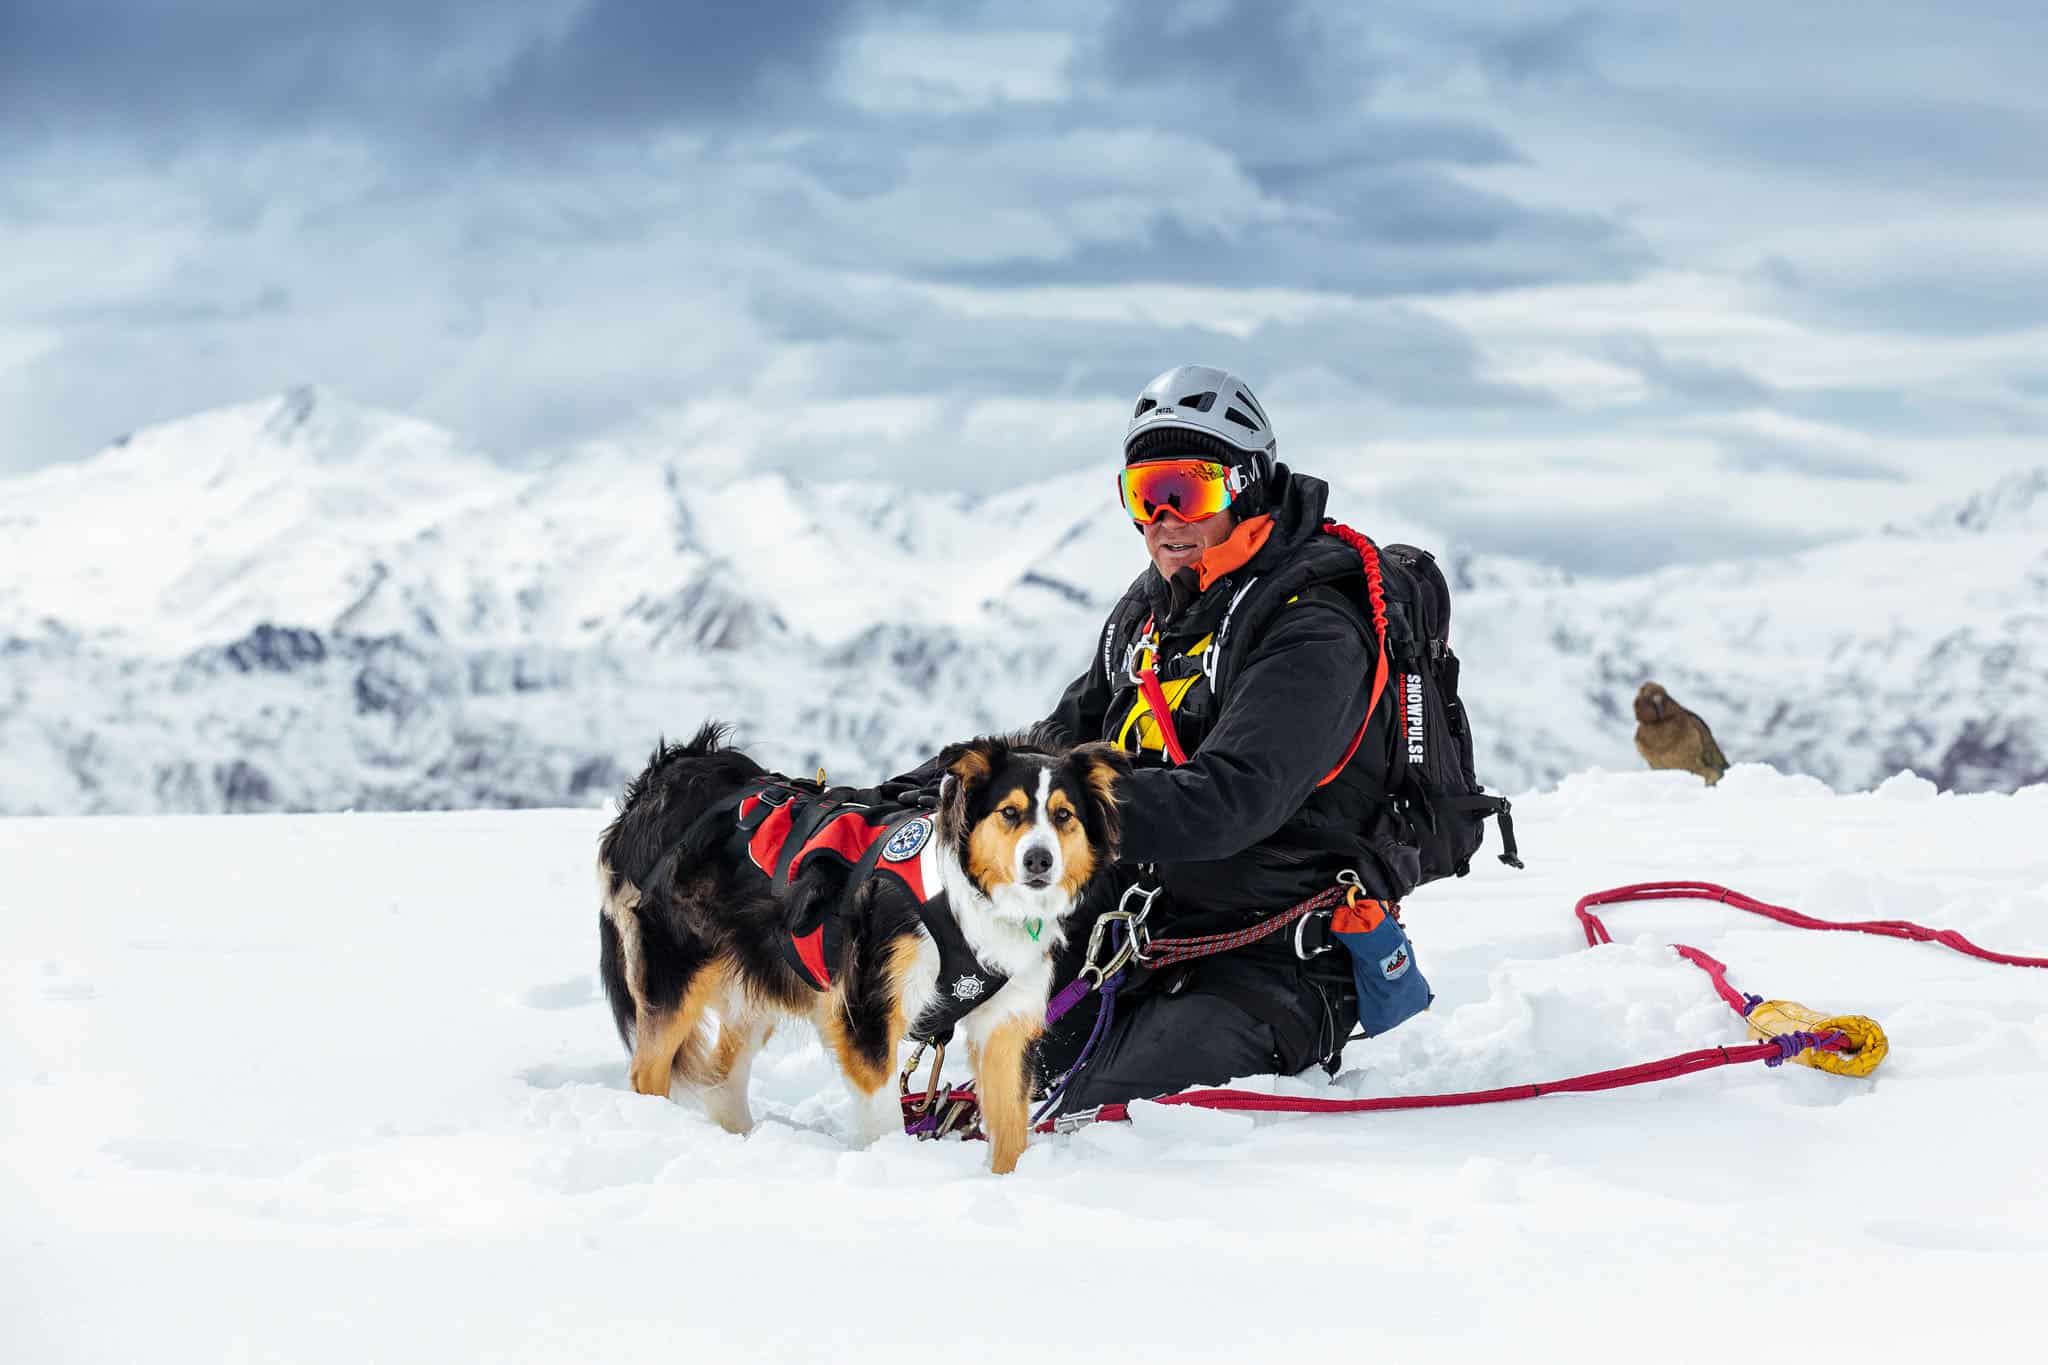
733	890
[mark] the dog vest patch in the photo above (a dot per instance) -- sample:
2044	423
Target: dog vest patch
908	841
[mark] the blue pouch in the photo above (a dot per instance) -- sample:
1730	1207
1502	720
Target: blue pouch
1391	988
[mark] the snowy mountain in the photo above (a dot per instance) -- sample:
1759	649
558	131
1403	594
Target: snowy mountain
302	604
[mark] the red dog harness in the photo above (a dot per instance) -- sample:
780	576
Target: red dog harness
790	829
787	827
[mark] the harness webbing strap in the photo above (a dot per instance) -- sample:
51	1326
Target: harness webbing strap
1155	697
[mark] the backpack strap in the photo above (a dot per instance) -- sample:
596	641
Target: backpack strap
1376	592
1375	584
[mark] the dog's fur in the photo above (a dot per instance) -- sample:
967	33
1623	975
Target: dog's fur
687	926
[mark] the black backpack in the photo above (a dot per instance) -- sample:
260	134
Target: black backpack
1447	806
1430	774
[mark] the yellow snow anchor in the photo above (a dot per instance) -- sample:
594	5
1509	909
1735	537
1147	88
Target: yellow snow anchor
1864	1049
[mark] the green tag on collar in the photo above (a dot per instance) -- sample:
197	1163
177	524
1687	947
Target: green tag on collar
1034	927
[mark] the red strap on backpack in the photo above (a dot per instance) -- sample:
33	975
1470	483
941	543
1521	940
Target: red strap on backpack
1376	591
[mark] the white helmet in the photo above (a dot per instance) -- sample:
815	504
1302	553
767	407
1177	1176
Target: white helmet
1201	410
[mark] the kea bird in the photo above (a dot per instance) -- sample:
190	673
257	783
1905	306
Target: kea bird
1669	736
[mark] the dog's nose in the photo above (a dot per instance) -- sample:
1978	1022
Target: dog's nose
1037	863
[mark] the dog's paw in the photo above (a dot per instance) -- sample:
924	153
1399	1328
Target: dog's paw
877	1116
651	1077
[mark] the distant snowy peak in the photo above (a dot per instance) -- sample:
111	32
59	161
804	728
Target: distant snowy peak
308	425
2018	502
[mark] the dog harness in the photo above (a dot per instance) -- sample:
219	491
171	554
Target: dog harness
787	828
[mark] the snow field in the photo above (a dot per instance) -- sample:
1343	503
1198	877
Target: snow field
344	1088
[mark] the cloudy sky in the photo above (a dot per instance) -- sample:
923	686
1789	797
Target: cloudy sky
1613	284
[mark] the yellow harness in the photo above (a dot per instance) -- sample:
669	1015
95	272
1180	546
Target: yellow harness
1139	722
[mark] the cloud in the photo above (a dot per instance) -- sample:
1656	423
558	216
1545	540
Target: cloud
640	64
1632	536
417	75
948	241
1255	53
165	69
1699	380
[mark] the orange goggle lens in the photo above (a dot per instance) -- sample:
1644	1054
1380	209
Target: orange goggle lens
1190	489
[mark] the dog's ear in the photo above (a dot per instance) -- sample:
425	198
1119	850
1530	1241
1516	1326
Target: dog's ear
1100	767
967	766
970	762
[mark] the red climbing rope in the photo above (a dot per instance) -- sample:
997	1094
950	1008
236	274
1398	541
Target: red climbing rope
1771	1052
1670	1068
1596	931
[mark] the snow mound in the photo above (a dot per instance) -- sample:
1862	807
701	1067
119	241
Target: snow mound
340	1088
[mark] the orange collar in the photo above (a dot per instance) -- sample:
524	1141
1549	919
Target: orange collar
1233	554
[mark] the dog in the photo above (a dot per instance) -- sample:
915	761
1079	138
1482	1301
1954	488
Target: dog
1669	736
730	889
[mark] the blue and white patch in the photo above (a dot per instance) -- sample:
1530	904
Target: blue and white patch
1394	964
909	841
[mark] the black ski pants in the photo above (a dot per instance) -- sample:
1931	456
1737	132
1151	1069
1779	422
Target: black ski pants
1205	1022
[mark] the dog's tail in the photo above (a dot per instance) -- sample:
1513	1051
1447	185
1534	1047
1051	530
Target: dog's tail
611	965
618	940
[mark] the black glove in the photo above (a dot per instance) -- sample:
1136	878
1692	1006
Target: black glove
918	787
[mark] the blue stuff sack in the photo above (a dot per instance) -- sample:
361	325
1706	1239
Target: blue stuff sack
1391	988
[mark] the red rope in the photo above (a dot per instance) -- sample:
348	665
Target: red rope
1669	1068
1596	931
1376	593
1737	1001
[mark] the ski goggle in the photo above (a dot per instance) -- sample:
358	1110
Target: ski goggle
1191	489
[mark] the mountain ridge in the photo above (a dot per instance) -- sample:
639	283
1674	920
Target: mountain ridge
299	604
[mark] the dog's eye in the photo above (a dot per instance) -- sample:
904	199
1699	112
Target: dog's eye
1011	815
1063	817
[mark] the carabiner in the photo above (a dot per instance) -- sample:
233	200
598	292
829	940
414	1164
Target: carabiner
931	1090
1144	644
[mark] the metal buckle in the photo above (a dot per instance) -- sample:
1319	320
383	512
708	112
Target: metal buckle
1143	644
1070	1123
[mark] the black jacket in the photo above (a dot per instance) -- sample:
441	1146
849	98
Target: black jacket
1242	830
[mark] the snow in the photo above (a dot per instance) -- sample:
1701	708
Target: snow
344	1088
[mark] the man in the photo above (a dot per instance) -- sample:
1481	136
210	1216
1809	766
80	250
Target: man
1278	793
